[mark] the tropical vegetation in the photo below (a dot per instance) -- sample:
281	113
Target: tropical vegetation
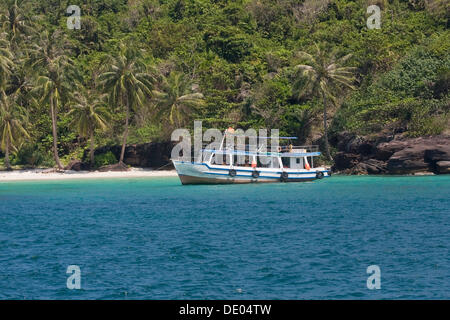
137	69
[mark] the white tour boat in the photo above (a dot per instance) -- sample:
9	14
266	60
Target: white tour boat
287	164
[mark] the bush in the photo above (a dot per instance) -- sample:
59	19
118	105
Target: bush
105	159
34	156
412	97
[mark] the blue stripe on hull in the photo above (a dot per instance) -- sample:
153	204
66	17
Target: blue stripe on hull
186	180
244	170
250	177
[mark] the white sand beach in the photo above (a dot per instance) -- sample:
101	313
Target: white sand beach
51	174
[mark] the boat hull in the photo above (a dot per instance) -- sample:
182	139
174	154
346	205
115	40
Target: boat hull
203	173
198	180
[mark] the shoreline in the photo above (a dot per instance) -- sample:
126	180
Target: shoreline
50	174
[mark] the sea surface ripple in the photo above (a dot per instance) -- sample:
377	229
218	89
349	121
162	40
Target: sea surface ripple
156	239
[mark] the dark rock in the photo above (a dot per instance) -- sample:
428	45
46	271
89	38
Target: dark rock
358	169
351	143
366	148
147	155
401	155
408	160
150	155
385	150
406	166
438	153
354	144
344	161
373	166
443	167
348	142
77	165
419	154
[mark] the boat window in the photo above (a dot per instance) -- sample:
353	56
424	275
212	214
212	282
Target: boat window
242	161
286	162
220	159
268	162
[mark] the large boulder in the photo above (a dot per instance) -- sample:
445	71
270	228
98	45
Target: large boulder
407	161
373	166
77	165
438	152
385	150
351	143
443	167
418	155
403	165
400	155
343	161
149	155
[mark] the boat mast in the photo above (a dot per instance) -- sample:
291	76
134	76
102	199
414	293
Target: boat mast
221	145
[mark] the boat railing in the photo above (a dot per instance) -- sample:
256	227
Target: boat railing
253	150
261	147
297	149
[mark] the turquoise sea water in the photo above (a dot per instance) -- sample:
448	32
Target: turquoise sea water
156	239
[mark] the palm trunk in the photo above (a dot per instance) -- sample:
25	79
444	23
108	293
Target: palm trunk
125	134
55	135
325	126
91	152
7	164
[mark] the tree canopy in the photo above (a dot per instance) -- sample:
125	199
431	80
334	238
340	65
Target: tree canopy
165	63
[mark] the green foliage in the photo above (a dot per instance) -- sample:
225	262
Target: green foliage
105	159
227	43
33	156
240	55
412	97
176	99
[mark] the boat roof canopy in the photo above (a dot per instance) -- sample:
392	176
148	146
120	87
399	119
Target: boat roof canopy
264	154
281	138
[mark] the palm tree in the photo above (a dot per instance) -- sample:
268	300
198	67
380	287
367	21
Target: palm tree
49	57
128	83
13	118
176	98
6	63
89	114
16	23
320	76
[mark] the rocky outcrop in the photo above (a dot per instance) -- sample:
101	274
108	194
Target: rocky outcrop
373	166
343	160
420	155
443	167
149	155
77	165
354	144
400	155
384	151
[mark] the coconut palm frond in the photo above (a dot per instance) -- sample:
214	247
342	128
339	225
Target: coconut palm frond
319	77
